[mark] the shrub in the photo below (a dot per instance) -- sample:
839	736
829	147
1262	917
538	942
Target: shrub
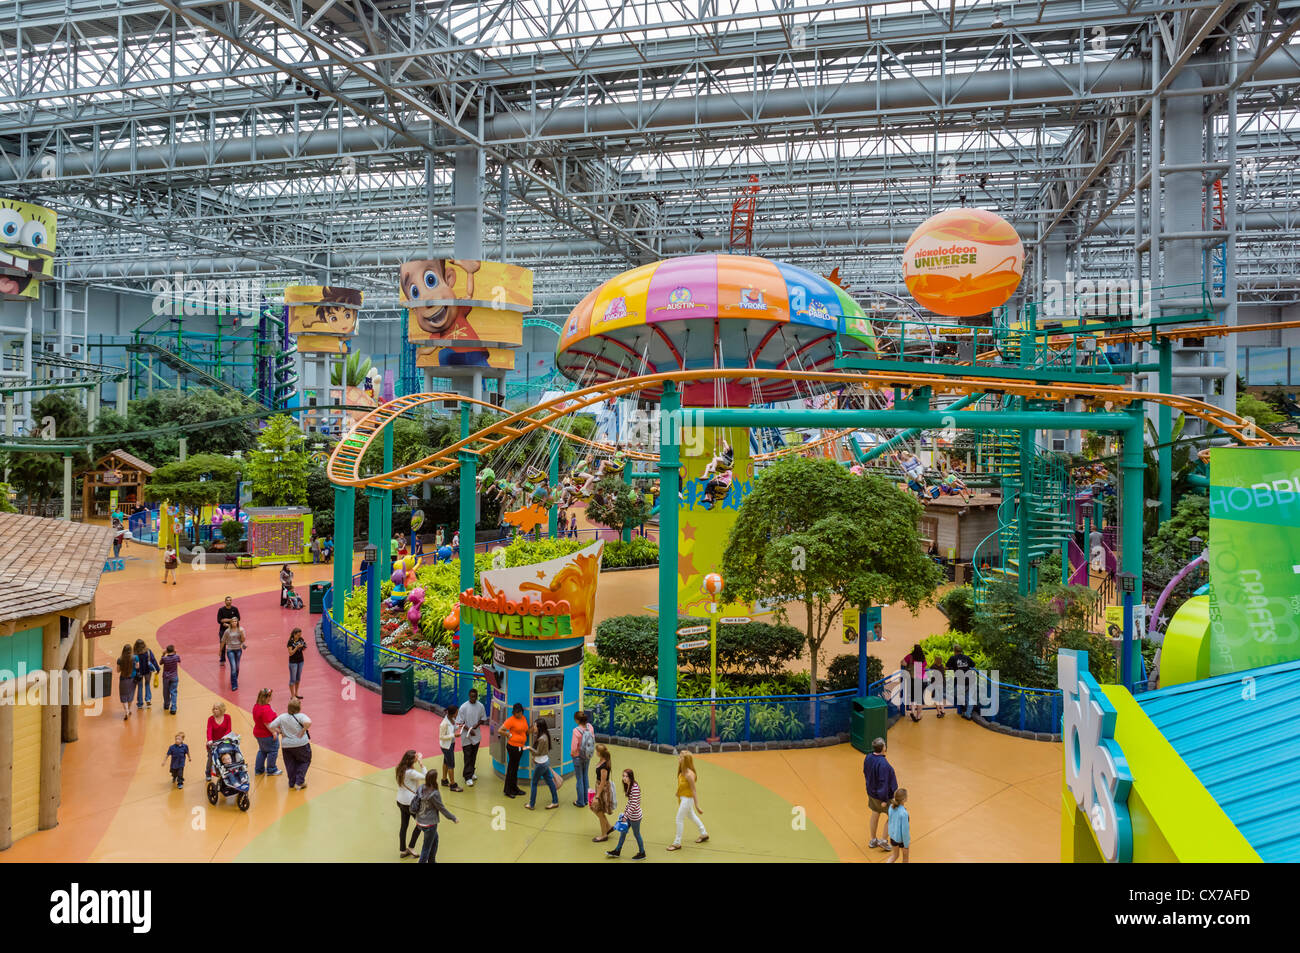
943	642
631	642
843	672
639	552
959	606
232	531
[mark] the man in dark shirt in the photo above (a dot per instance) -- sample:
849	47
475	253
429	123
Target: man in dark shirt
963	686
227	611
881	785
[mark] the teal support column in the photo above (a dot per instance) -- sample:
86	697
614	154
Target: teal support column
468	492
344	501
627	482
1025	571
1165	431
553	475
375	528
384	567
670	423
1131	473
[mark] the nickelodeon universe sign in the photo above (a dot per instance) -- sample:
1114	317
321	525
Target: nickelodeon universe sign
944	256
1096	772
524	618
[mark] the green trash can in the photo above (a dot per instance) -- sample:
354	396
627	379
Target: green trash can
397	688
868	721
316	597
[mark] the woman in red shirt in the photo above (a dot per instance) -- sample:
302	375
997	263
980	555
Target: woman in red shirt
268	746
218	728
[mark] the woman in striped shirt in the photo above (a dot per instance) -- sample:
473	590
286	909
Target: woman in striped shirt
631	815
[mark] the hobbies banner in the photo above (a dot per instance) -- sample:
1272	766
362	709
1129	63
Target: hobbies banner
1254	557
571	578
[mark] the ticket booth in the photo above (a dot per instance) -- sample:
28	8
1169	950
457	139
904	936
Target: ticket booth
545	679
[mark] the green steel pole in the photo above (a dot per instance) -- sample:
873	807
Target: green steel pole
669	486
344	503
468	478
553	474
913	433
1165	426
1132	471
627	482
385	563
1025	571
1113	422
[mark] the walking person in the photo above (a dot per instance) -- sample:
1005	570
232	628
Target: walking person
119	534
913	666
295	743
235	641
146	666
126	679
296	645
631	817
964	687
900	828
881	784
541	752
170	563
315	548
410	776
471	716
286	584
581	747
430	807
603	802
516	728
171	677
178	754
447	732
218	727
688	800
267	745
227	611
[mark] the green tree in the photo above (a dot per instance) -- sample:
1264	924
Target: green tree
615	504
1265	417
279	467
6	505
1168	551
205	479
811	532
222	423
1021	635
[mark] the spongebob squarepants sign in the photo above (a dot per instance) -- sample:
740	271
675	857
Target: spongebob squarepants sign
26	249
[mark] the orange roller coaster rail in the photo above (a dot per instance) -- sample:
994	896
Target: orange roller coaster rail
345	462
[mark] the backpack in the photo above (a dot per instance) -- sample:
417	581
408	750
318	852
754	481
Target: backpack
587	744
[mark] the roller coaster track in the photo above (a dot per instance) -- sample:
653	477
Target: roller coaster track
345	463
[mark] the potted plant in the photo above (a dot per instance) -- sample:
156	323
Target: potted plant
232	533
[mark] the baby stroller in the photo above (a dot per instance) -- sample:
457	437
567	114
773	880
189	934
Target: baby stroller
227	771
291	599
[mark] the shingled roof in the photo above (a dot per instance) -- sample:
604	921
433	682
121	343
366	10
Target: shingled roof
49	565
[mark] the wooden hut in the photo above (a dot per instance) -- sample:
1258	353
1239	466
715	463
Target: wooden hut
49	571
119	471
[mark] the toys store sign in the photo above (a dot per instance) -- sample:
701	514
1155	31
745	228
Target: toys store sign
1096	771
524	618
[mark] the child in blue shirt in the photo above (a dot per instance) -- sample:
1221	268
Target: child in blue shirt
178	754
900	832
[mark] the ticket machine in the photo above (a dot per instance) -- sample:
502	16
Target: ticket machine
545	678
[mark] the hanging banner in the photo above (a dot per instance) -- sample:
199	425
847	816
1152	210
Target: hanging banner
715	480
1254	557
322	309
461	301
570	580
852	622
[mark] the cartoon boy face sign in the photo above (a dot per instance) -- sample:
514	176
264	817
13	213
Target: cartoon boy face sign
429	289
337	312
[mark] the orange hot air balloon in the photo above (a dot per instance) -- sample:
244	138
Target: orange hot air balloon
963	262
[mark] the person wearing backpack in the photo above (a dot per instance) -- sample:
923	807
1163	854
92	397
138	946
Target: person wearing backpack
581	748
410	776
146	666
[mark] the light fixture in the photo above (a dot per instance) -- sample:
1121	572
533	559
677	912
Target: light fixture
370	553
997	18
1196	545
1127	582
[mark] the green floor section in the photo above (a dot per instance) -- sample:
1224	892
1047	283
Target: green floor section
358	822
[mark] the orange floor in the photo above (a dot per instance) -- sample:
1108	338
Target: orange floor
975	795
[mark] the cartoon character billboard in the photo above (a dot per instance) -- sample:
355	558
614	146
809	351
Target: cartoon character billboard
459	302
317	310
448	358
27	235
